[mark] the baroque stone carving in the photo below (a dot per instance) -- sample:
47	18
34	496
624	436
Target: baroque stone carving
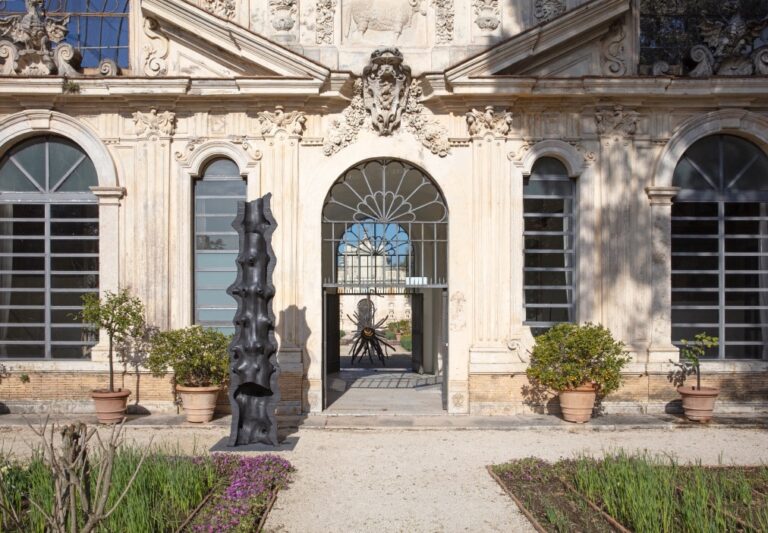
282	13
292	122
381	15
154	124
546	10
444	16
487	14
385	89
733	45
613	52
324	18
156	50
382	101
25	44
221	8
108	67
488	121
616	121
192	145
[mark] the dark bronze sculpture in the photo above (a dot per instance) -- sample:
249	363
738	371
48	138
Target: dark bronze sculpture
253	385
369	337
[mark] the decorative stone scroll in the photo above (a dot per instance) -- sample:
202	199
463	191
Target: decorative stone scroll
613	50
733	45
221	8
156	50
444	17
616	122
25	44
253	384
546	10
154	124
292	122
282	13
324	21
487	14
488	121
381	101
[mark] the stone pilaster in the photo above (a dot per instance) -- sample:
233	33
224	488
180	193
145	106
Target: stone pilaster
661	348
109	252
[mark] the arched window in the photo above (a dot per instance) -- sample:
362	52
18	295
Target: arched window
49	249
216	243
548	204
720	246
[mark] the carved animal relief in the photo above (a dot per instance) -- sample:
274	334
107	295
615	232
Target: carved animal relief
292	122
154	124
380	15
488	121
26	44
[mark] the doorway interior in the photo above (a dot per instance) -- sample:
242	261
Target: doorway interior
385	242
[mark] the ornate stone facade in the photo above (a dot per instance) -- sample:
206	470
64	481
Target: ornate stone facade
488	121
154	124
324	20
546	10
487	14
385	89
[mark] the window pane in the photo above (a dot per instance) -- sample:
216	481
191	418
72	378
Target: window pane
75	246
22	333
70	352
22	351
62	281
12	179
83	177
222	168
217	242
67	298
75	211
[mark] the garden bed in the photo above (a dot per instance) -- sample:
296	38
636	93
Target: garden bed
636	493
221	492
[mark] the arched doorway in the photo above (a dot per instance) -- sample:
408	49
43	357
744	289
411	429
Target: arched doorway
385	267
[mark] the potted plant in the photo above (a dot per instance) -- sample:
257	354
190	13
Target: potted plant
579	362
698	401
120	315
200	362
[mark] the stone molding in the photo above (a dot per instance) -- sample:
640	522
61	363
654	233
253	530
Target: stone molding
153	125
156	50
108	195
661	195
575	161
488	121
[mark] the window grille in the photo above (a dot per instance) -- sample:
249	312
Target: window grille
216	243
49	249
98	28
548	285
720	246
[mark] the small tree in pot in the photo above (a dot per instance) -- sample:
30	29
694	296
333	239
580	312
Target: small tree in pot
698	401
200	363
577	361
121	316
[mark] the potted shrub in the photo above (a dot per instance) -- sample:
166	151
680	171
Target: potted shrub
698	401
579	362
200	362
120	315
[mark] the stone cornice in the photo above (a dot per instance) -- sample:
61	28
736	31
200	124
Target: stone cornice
235	39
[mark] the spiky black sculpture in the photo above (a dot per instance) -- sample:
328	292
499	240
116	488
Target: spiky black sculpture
253	386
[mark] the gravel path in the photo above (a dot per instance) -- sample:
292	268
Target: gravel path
428	480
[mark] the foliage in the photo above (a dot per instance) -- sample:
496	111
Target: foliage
402	327
692	352
120	315
252	482
569	355
24	377
198	356
406	341
342	333
390	335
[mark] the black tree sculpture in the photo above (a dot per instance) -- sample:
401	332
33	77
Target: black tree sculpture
369	337
253	386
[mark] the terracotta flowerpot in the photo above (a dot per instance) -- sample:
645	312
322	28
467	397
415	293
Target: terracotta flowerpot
577	404
698	404
199	402
110	406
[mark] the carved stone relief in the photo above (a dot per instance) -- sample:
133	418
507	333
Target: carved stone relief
390	17
458	318
25	44
444	16
324	21
156	50
488	121
385	89
733	45
613	51
487	14
282	13
383	99
222	8
546	10
192	145
292	122
154	124
616	122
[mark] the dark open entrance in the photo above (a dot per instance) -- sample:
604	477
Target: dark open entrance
385	243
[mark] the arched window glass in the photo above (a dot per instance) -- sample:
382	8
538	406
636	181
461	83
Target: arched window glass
49	249
720	246
548	204
216	243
